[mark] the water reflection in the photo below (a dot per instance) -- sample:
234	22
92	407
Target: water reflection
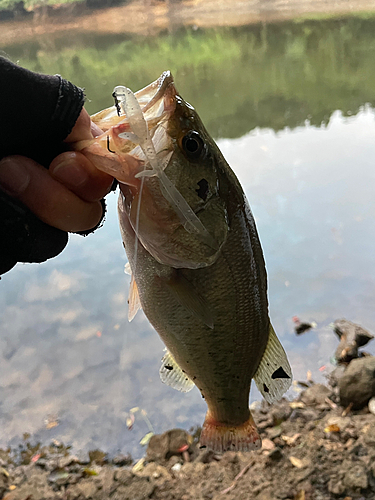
66	347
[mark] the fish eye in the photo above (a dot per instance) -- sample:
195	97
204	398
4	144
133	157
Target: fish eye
193	145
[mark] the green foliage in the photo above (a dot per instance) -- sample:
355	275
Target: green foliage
277	75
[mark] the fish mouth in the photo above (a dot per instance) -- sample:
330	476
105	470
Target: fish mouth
117	151
157	101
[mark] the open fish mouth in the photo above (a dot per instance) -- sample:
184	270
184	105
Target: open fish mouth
117	151
157	102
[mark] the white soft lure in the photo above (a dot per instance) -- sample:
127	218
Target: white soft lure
140	135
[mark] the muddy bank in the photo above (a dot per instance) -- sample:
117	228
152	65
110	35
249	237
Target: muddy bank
148	17
313	449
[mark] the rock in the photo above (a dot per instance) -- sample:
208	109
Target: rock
357	385
86	488
123	476
275	432
371	405
315	395
162	446
336	487
275	455
267	444
351	337
65	461
138	489
205	456
369	436
155	471
335	375
121	460
356	477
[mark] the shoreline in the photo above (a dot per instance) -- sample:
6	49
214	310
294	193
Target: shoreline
149	17
312	449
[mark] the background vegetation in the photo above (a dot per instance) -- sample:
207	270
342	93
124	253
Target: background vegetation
276	76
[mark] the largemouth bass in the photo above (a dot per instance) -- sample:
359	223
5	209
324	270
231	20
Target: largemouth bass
195	257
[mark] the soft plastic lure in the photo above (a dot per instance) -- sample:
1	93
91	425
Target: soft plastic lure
140	135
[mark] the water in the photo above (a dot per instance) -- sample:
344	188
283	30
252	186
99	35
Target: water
291	106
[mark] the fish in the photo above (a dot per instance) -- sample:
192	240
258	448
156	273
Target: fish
195	258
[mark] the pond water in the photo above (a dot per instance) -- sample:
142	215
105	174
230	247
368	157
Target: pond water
291	107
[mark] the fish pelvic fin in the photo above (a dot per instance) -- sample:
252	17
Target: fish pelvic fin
133	298
220	437
171	374
274	374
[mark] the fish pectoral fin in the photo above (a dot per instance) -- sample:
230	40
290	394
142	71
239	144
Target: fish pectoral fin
171	374
190	298
133	299
274	375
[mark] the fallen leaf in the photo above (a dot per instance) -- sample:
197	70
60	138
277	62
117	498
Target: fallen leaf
300	495
130	421
4	471
297	462
90	472
146	439
291	440
12	487
139	465
297	404
332	428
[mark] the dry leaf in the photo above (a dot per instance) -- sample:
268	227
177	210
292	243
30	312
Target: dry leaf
332	428
300	495
291	440
4	471
12	487
139	465
146	438
130	421
297	404
297	462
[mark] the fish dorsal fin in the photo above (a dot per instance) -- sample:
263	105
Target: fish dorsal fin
172	375
190	298
274	375
133	300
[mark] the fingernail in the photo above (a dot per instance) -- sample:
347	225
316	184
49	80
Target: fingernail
68	172
14	176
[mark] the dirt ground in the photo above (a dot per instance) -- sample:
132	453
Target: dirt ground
312	449
148	17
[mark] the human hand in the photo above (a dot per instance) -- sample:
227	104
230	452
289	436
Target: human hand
67	196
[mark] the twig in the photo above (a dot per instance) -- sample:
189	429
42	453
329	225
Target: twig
347	410
239	475
330	403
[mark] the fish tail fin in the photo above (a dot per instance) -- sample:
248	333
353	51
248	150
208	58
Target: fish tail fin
220	437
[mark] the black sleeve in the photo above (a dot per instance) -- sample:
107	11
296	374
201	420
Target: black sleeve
37	113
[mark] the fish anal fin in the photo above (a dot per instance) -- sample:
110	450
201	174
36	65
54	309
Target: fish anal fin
190	298
171	374
220	437
274	375
133	300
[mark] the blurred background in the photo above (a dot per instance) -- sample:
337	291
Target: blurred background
287	90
